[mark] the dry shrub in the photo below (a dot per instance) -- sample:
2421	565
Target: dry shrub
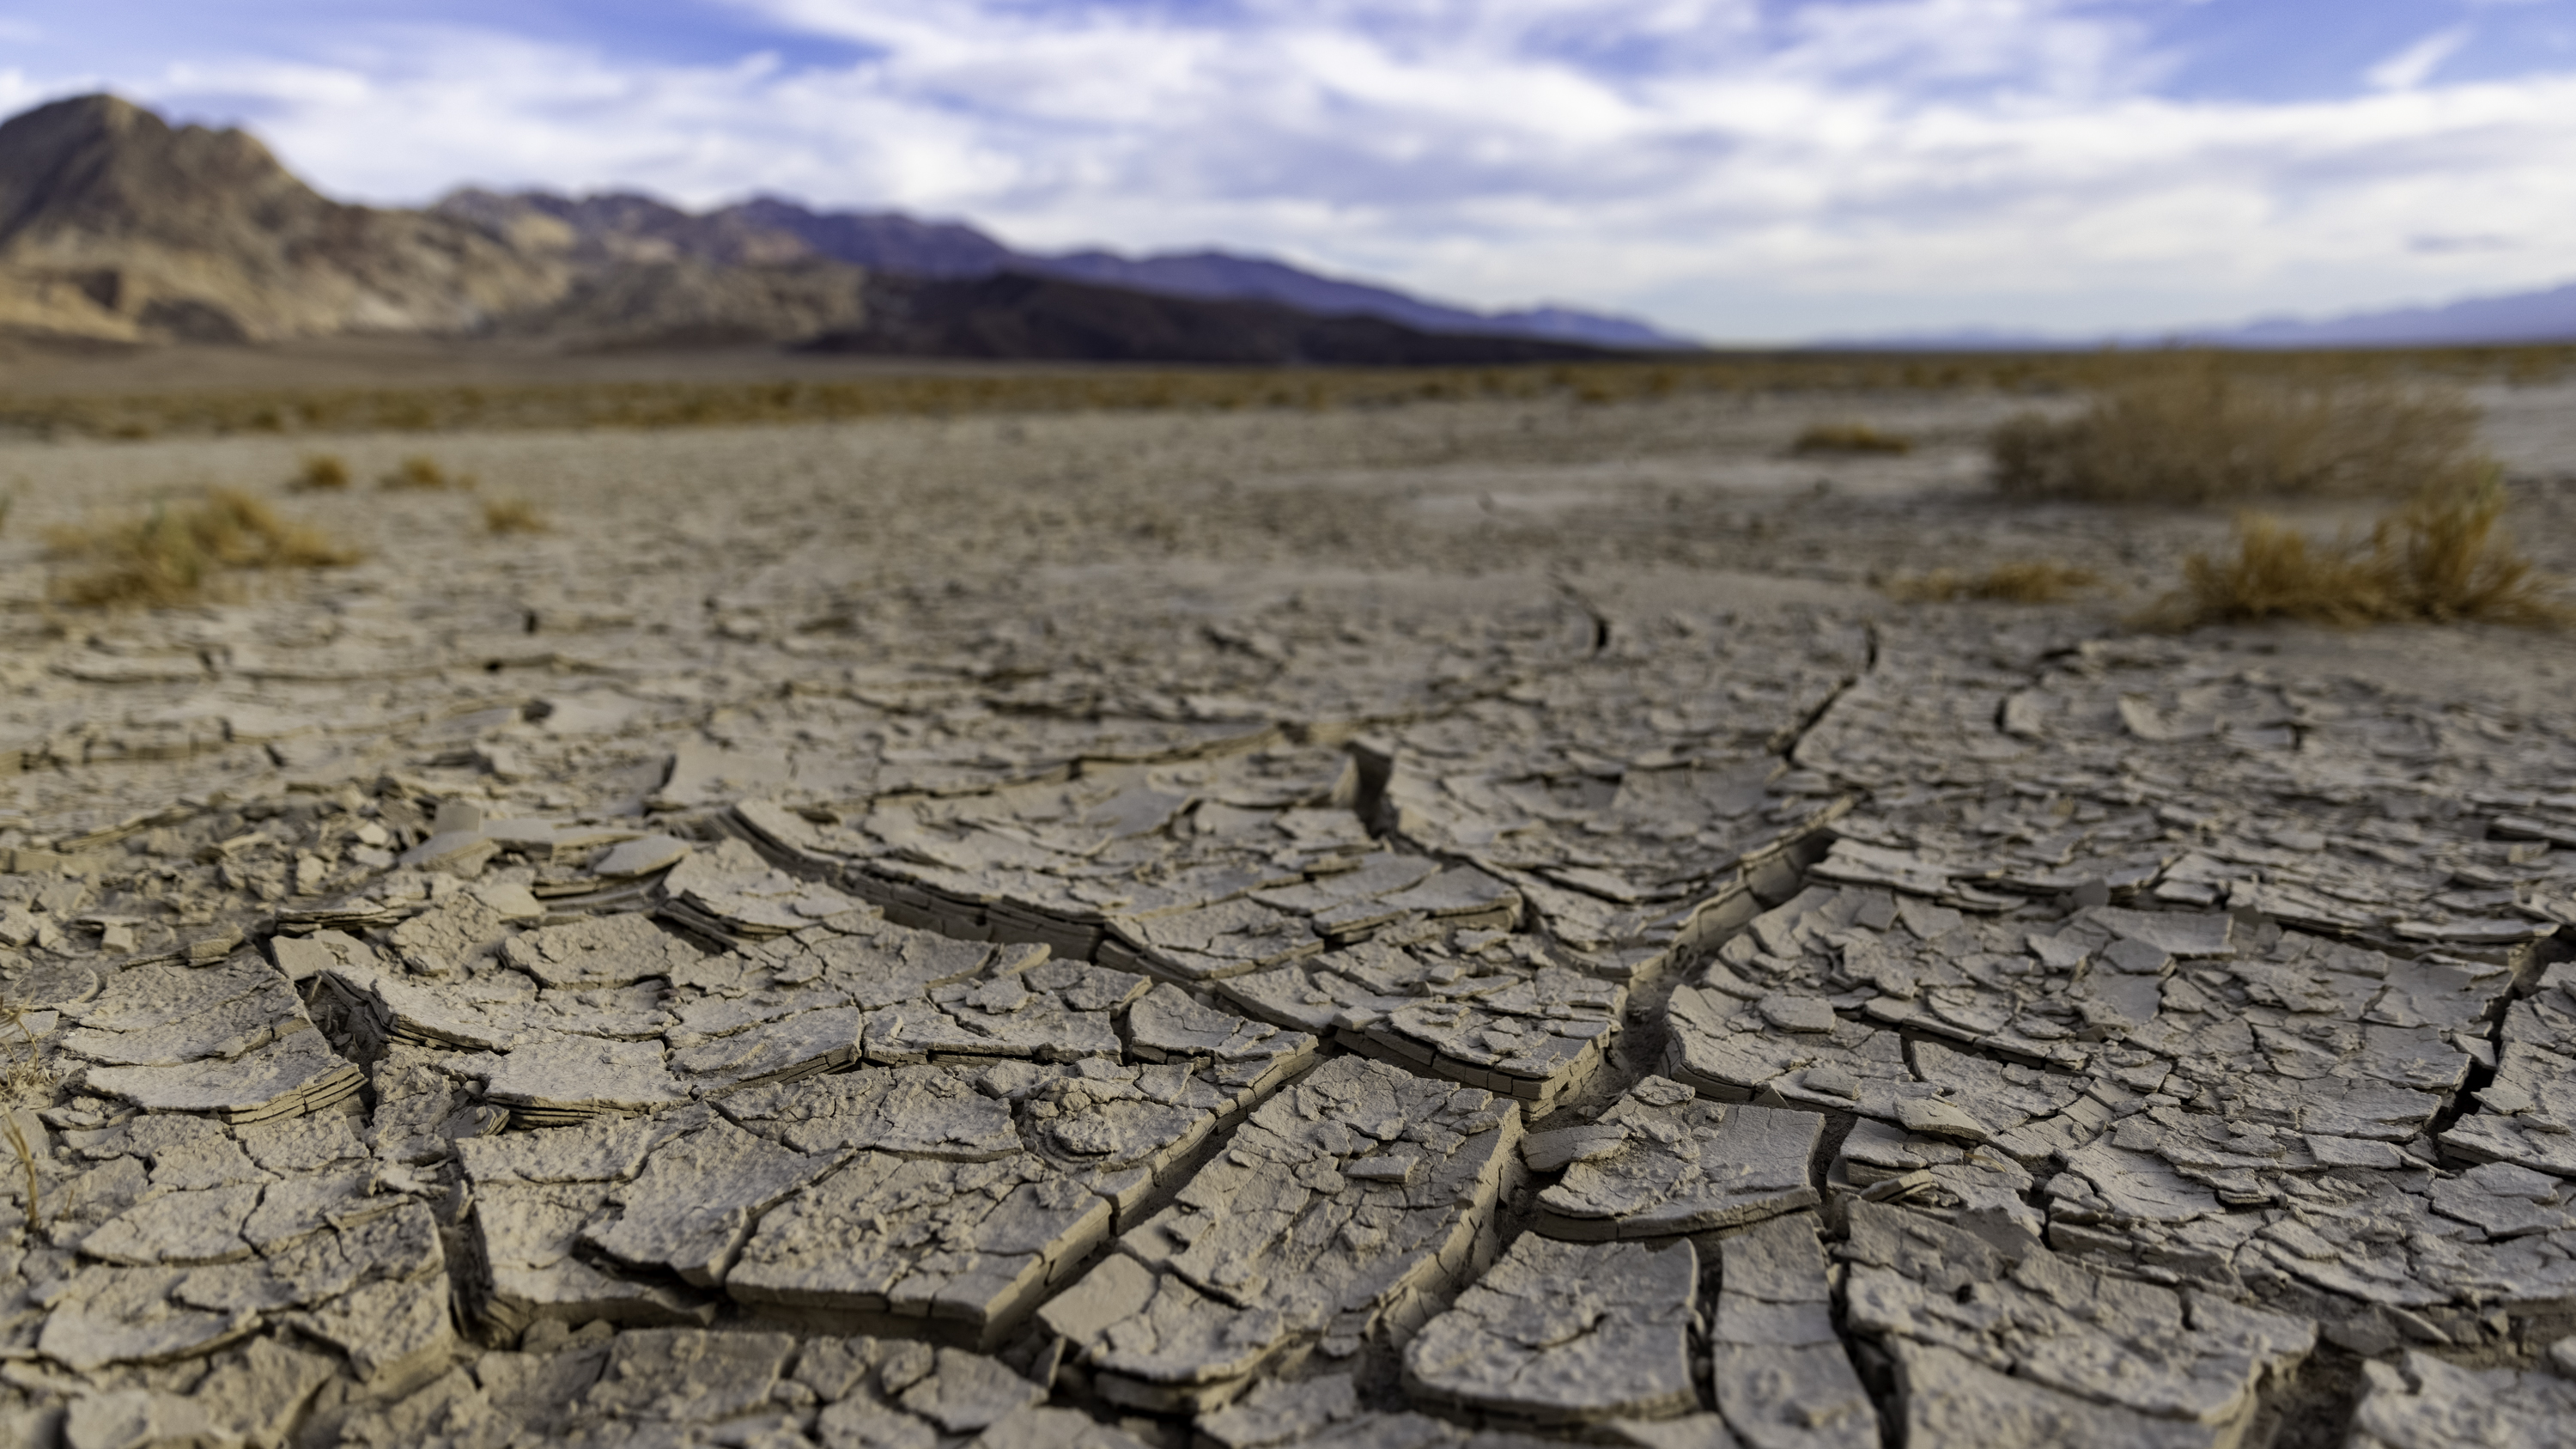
25	1080
1849	438
26	1163
2436	559
2033	582
2193	432
174	554
513	515
321	473
420	473
599	403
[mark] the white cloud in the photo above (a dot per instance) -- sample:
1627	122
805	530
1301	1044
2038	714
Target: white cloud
2414	65
1850	166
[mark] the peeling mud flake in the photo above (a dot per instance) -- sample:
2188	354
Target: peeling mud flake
1662	1162
2191	1359
110	1315
554	1080
685	1376
2422	1402
698	1197
424	1106
2527	1114
1952	1401
231	1040
1289	1241
1782	1377
296	1074
1480	1007
534	1194
1943	1177
969	1243
1042	1427
616	950
1563	1333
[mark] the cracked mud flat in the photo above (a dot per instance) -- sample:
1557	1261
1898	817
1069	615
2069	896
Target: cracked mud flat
1457	925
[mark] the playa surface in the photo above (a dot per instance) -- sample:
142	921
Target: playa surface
1358	926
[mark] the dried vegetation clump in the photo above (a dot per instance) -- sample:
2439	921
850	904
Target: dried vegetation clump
177	553
321	473
2199	430
421	473
24	1080
513	515
630	404
26	1163
1849	438
2038	581
2438	559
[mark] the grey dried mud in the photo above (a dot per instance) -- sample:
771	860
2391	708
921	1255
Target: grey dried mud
729	986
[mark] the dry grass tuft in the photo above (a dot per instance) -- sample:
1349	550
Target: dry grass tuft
27	1163
420	473
513	515
2034	582
1849	438
176	553
26	1079
2437	560
469	407
321	473
2196	431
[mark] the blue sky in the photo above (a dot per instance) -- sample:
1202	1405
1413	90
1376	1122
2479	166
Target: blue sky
1744	169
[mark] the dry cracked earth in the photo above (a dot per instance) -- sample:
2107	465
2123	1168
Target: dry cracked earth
1462	925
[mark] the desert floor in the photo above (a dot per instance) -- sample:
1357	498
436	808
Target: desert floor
2162	1034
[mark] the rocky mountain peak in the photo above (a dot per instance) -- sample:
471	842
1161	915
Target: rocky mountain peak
116	225
99	167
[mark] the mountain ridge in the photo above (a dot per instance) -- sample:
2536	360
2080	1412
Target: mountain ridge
1036	316
2503	319
891	241
2545	315
117	227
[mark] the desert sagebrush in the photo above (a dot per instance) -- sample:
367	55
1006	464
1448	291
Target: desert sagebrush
637	404
2197	431
27	1163
513	515
321	473
421	473
2436	559
1849	438
25	1079
2032	582
173	554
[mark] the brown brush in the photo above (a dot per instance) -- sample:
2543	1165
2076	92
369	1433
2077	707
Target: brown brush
2195	431
2436	559
176	554
2038	581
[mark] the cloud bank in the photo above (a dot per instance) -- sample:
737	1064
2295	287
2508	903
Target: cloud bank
1744	170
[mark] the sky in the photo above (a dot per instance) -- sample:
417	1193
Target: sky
1742	170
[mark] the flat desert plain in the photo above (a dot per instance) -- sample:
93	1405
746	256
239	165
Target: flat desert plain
1463	922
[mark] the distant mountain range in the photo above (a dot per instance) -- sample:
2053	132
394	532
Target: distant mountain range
117	227
772	230
2517	317
1014	314
2546	316
114	226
